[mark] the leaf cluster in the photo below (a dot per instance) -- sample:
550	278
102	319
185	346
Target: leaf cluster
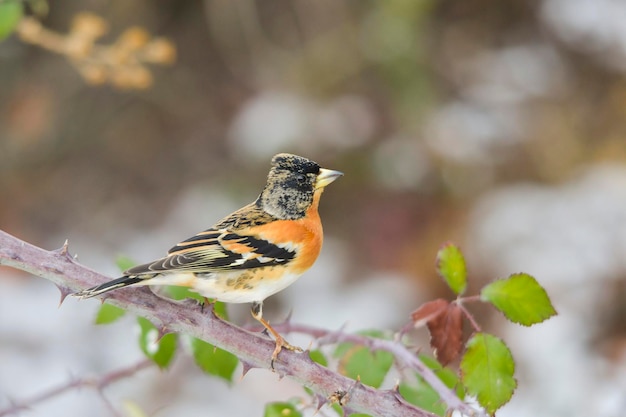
486	366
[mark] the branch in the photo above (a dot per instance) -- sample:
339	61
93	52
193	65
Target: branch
252	349
403	355
122	63
98	383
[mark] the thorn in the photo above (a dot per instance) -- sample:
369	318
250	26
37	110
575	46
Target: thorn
321	402
64	250
65	291
396	387
404	330
331	337
395	391
161	332
246	367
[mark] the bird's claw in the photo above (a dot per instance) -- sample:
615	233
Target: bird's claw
281	344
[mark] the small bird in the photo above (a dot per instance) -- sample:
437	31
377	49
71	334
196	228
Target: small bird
254	252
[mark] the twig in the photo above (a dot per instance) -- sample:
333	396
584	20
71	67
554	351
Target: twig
468	315
98	383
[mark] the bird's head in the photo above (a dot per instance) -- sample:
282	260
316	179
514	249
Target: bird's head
292	183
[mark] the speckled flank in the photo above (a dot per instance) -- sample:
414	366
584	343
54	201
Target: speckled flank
242	282
244	288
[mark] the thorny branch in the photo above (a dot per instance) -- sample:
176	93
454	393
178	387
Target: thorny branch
99	384
401	353
253	349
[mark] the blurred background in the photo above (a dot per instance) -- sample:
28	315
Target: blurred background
500	126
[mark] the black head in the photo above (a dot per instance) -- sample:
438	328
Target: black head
294	163
290	186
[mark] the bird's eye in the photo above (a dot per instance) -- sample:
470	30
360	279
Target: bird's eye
301	178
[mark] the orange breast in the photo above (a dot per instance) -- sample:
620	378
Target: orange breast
305	234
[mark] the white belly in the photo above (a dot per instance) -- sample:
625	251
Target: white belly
226	287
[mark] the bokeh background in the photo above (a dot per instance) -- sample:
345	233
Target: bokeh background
500	126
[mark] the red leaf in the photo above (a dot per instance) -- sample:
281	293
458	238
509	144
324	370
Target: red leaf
429	311
446	334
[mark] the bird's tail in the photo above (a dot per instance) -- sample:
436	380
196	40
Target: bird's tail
108	286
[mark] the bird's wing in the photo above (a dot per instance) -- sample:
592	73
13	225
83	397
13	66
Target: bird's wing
217	250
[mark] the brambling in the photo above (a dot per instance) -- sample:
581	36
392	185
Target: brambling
251	254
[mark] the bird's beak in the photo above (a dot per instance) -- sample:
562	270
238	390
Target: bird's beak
326	176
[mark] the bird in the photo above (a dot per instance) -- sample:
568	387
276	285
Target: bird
251	254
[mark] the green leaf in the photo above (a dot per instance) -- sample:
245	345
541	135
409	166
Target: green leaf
109	313
213	360
124	263
162	350
179	293
520	298
318	356
281	409
451	267
11	12
358	361
487	371
423	396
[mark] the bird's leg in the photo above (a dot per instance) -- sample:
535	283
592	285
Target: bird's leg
257	313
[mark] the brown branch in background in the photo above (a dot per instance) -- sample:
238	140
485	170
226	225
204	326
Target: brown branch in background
253	349
122	63
99	384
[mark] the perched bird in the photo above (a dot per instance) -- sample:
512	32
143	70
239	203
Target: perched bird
251	254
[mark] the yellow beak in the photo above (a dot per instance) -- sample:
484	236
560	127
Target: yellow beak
326	176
